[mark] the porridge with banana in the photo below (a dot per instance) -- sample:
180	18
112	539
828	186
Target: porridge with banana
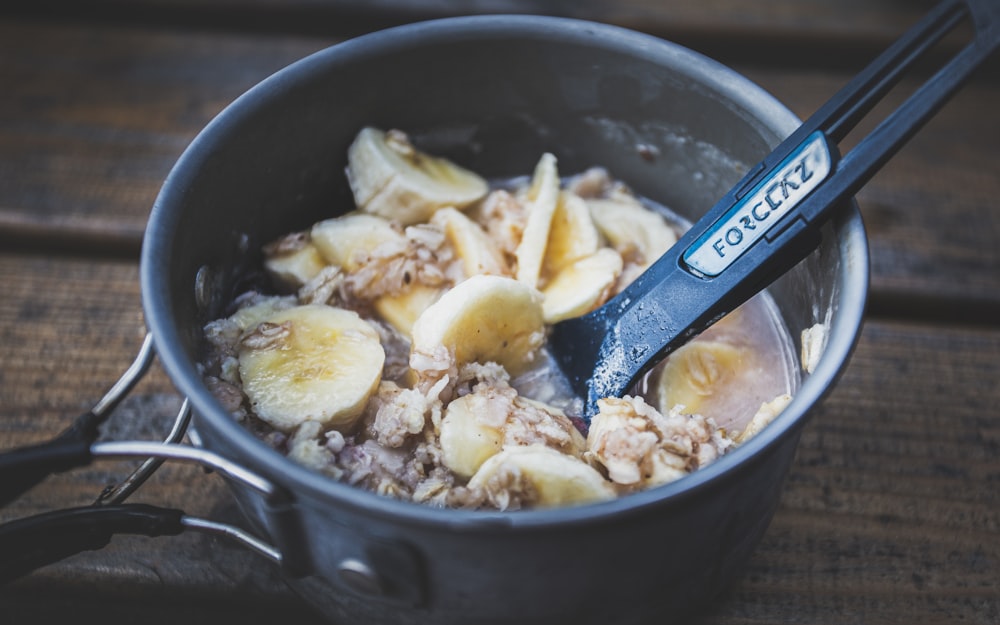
402	348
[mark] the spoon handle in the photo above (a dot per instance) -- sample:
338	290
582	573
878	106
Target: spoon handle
771	219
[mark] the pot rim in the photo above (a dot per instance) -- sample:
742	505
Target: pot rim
766	111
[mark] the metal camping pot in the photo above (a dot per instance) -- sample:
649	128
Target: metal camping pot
493	93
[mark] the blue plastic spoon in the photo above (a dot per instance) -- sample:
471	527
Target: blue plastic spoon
771	219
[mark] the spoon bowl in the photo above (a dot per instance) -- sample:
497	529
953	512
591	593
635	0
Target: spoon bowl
771	219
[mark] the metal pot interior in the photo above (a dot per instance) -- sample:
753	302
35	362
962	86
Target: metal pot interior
493	93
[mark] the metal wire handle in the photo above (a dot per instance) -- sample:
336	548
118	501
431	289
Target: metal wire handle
42	539
118	493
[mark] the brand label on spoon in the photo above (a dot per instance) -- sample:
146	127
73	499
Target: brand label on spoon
770	200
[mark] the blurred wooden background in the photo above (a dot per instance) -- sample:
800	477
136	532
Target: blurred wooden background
892	511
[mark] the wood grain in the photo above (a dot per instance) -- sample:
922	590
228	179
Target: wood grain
890	514
89	132
70	327
93	119
812	27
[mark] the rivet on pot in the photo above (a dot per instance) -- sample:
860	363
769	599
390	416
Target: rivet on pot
360	577
203	288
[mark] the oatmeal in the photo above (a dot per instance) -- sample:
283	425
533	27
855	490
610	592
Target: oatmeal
401	347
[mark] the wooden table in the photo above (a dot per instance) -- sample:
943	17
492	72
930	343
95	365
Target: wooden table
891	513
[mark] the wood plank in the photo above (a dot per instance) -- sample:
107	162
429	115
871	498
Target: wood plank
892	511
70	327
813	27
890	514
89	132
92	120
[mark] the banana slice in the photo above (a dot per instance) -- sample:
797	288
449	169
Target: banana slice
581	286
478	425
813	341
639	234
292	269
543	197
467	439
763	417
483	319
540	476
693	373
391	178
310	363
479	254
572	235
402	310
347	241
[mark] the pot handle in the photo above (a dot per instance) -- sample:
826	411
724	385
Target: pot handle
43	539
31	542
23	468
36	541
290	549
